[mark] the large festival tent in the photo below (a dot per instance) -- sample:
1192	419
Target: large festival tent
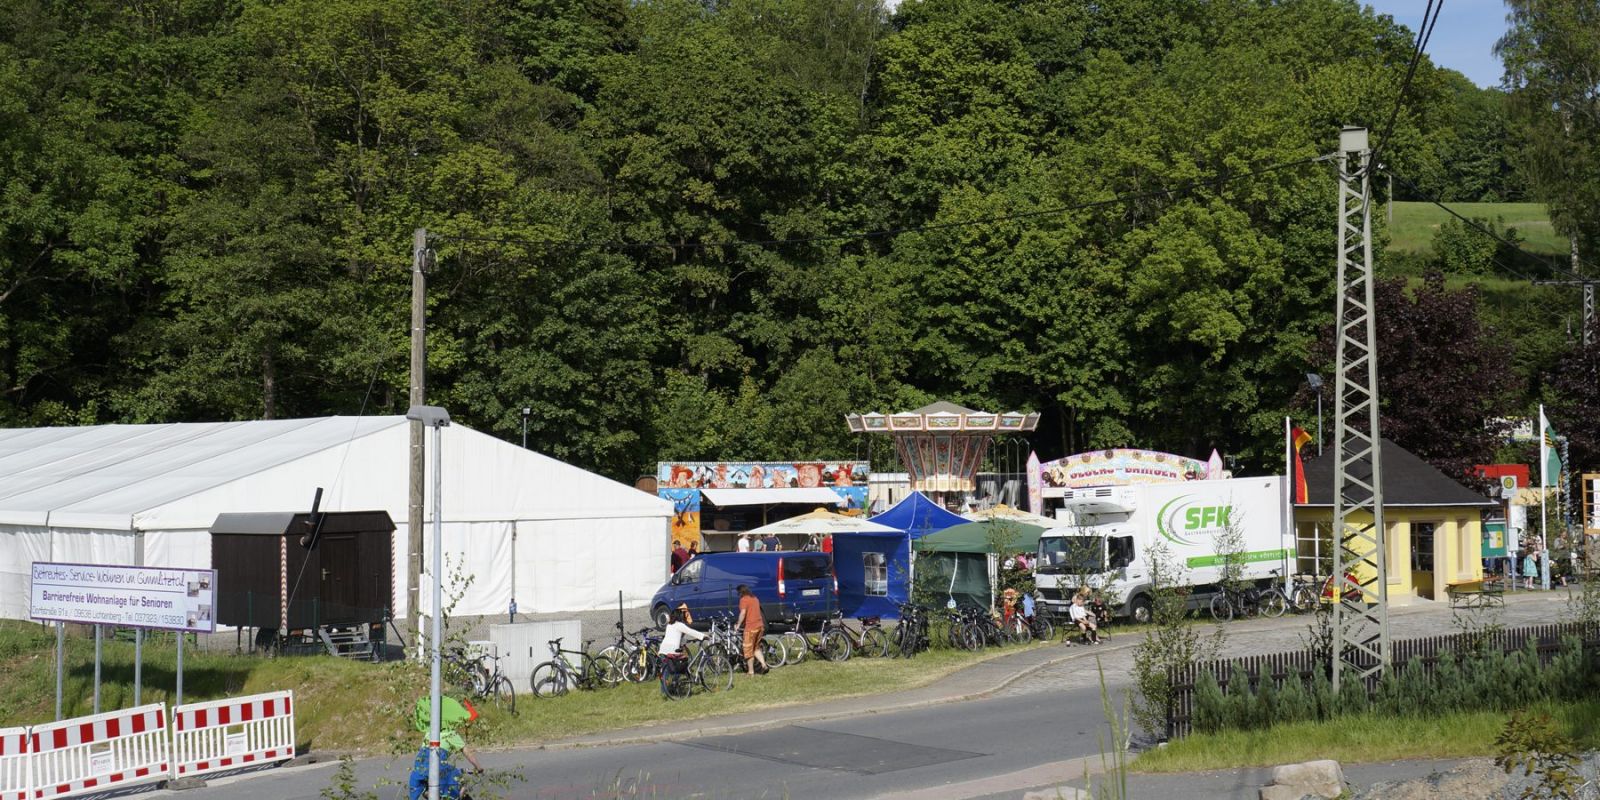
886	556
519	524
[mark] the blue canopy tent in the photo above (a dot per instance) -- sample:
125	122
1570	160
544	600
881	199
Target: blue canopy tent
875	569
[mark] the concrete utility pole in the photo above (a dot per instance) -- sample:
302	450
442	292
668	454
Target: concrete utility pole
1361	611
419	345
1588	285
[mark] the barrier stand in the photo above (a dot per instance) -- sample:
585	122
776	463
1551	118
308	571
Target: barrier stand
14	763
229	734
90	755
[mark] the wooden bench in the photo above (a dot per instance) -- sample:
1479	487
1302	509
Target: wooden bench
1476	594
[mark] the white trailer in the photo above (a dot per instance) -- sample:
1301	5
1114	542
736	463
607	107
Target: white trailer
1106	544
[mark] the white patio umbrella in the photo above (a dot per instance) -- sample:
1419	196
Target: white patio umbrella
1009	514
822	522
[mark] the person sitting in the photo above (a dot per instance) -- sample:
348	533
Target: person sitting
673	659
454	715
1085	621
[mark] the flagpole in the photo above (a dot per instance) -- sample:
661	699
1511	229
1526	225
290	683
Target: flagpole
1544	484
1288	505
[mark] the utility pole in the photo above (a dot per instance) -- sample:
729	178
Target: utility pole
419	344
1588	285
1361	610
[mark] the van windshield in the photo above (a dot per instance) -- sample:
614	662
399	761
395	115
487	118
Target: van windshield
1071	555
806	568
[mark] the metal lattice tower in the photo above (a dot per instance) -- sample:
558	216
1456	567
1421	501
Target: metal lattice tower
1361	615
1588	303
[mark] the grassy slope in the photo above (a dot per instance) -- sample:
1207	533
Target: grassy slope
1461	734
362	707
1415	224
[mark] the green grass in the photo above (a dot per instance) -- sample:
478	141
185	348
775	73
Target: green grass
1415	223
1362	739
348	706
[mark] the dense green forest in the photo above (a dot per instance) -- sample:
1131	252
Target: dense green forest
682	229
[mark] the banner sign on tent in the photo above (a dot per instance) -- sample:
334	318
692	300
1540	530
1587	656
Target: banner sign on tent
1117	467
133	597
680	483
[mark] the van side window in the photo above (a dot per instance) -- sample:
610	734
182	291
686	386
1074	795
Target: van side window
690	572
876	568
807	567
1121	551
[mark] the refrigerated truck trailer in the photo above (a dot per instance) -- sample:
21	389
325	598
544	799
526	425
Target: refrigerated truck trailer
1107	543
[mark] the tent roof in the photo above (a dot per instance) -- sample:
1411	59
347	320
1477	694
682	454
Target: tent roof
973	537
918	516
764	497
1407	481
823	521
118	476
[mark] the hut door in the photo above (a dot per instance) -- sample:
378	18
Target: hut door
339	570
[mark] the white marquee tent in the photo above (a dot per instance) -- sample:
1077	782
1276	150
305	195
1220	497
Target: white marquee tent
557	537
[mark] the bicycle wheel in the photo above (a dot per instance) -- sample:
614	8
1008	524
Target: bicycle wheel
973	637
1273	603
597	672
675	685
772	651
795	647
1221	607
1305	599
502	695
1043	629
616	660
874	643
835	646
714	673
549	680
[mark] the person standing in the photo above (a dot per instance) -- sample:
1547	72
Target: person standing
772	543
1530	568
744	543
754	627
679	556
827	544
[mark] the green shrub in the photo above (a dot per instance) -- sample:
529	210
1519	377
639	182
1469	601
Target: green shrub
1353	697
1417	690
1210	712
1322	696
1267	709
1294	701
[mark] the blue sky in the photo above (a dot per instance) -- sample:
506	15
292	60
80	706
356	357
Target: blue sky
1464	37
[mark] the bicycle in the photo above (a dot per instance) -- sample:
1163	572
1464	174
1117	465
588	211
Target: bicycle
708	668
1270	603
632	656
557	676
911	634
831	643
1305	594
870	641
480	677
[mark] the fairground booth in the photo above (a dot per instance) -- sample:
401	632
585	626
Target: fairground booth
714	502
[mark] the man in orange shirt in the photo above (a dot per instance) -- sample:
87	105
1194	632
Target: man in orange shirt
754	627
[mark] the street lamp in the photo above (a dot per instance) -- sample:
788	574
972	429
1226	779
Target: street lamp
1315	382
526	412
436	418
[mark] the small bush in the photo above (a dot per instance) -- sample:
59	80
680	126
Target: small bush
1209	704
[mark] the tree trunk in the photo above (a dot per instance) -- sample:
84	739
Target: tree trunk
269	386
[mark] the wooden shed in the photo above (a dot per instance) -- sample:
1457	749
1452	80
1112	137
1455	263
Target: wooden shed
268	579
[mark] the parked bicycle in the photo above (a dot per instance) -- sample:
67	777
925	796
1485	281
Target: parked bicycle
557	676
1305	594
632	656
1248	601
831	643
911	634
480	677
870	641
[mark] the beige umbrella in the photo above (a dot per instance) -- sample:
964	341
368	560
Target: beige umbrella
1008	514
822	522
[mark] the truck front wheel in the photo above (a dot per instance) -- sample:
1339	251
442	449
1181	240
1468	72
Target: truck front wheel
1139	609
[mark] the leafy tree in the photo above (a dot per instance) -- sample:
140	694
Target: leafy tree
1574	387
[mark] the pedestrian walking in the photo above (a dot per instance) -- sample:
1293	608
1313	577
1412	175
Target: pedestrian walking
754	626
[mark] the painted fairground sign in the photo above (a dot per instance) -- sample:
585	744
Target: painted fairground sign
1119	467
681	483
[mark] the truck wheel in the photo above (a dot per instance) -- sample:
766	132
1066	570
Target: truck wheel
661	616
1139	609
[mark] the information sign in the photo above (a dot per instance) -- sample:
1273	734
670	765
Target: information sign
131	597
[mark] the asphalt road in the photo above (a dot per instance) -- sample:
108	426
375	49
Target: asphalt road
866	756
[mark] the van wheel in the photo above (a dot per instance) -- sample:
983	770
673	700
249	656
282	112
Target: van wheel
661	616
1139	609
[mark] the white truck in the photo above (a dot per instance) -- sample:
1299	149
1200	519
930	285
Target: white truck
1106	541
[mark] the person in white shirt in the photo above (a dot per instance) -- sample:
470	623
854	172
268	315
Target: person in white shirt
1084	620
672	638
744	543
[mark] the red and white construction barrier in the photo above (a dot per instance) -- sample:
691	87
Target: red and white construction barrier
95	754
14	758
229	734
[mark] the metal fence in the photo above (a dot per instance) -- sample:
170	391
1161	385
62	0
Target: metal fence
1304	663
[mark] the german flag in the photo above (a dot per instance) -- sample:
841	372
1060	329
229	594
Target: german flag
1299	438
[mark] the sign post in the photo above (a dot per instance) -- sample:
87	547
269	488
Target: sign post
179	600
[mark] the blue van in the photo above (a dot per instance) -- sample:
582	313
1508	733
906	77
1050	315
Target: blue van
788	584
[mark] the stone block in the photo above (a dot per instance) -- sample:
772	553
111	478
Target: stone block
1310	773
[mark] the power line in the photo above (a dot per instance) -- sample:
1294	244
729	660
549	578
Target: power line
1430	17
1184	187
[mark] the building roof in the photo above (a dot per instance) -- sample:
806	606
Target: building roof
942	407
1407	481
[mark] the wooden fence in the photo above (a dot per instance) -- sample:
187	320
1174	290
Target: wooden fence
1301	664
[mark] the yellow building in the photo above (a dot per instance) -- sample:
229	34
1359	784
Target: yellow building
1433	525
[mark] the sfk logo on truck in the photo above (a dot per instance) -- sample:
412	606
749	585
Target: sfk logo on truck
1184	517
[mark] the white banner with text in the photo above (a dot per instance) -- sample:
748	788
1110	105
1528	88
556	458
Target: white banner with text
134	597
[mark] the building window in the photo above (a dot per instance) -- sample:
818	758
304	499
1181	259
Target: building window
1422	547
876	567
